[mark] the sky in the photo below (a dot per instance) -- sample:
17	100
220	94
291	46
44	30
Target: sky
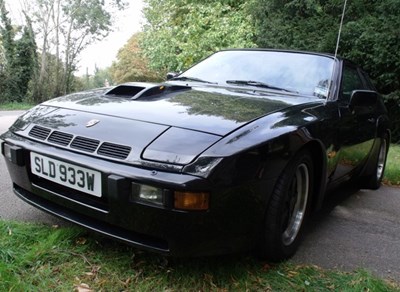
103	53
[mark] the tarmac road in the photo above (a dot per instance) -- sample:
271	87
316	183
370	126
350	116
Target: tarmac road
355	229
11	207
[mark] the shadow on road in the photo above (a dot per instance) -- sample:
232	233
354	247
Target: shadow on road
333	198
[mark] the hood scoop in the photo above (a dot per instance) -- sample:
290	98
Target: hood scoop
144	91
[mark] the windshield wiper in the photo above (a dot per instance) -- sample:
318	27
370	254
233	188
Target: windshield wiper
187	78
257	84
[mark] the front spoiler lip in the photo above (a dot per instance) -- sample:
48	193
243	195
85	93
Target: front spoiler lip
135	239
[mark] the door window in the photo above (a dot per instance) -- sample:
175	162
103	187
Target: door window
351	80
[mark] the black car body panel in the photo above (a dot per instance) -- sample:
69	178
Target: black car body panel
152	143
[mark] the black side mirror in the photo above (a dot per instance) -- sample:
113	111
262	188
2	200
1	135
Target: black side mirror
363	101
171	75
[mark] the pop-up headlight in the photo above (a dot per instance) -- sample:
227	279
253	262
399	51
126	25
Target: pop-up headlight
38	111
179	146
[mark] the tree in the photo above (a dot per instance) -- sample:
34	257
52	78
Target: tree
132	65
370	36
19	57
66	29
188	30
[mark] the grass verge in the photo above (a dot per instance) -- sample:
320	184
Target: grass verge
41	258
15	106
392	171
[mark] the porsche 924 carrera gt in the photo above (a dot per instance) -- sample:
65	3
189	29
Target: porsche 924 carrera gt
233	154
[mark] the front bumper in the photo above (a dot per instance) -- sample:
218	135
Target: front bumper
231	224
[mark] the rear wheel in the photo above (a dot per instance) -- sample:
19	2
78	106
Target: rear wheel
288	207
374	180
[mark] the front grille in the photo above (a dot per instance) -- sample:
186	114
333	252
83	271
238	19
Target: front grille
39	132
85	144
114	150
60	138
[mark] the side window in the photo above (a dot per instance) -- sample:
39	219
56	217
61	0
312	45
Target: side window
351	80
368	81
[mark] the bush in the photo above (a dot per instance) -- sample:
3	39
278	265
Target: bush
392	102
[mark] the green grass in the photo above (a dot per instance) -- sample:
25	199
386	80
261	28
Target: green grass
392	171
42	258
15	106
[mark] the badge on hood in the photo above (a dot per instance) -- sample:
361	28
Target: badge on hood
91	123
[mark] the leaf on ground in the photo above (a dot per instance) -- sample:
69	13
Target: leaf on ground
266	267
209	279
83	288
292	274
81	240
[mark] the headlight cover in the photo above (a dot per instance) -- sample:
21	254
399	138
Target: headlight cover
179	146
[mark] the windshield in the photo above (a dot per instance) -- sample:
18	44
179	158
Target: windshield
302	73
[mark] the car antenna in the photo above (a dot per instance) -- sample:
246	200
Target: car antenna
340	28
338	41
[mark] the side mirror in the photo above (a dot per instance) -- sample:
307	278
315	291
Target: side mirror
363	101
171	75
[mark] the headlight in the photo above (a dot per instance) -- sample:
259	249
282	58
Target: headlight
147	194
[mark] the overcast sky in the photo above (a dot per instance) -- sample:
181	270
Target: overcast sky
102	53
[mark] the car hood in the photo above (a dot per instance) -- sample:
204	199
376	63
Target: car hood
207	109
160	122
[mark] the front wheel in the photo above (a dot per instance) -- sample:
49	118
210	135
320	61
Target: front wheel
288	208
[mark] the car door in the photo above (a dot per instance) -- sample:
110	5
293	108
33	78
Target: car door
357	129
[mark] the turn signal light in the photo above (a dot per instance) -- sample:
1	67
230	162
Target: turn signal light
192	201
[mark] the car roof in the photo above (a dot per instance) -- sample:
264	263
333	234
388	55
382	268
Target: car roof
284	51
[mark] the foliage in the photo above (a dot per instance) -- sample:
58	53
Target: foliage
41	258
101	78
10	106
19	58
66	28
370	36
179	33
392	170
392	102
132	65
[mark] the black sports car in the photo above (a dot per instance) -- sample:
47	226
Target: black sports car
230	155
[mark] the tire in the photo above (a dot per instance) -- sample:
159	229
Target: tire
374	180
288	209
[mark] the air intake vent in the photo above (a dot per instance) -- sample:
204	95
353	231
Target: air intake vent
114	150
60	138
85	144
125	91
39	132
